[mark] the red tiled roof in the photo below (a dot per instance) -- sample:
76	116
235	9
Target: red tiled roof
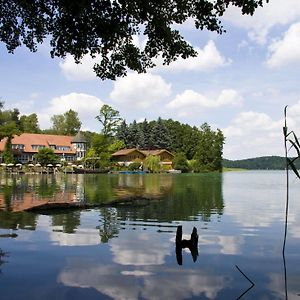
29	139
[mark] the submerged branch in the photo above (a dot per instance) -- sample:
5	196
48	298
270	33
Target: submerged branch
252	283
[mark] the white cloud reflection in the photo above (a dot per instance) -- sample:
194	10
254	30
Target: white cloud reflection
110	280
140	249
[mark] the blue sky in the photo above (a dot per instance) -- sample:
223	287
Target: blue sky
240	82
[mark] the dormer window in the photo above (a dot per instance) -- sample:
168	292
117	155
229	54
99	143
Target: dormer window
63	148
17	146
37	147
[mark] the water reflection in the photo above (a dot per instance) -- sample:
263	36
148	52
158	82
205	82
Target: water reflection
2	255
191	244
171	284
125	250
161	197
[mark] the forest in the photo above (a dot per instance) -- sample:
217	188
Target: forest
195	148
259	163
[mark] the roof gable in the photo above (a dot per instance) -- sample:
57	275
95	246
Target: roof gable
124	152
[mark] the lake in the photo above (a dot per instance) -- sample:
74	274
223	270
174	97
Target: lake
124	249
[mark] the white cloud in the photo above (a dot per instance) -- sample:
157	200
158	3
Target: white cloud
253	121
190	99
86	105
276	12
81	71
286	50
253	134
208	58
140	90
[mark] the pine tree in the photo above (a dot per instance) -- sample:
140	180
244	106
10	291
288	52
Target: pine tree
122	133
133	135
160	135
145	128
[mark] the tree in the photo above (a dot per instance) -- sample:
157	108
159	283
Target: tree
66	124
46	156
122	133
110	119
107	29
145	128
208	156
115	145
29	124
160	135
134	135
180	162
152	163
98	154
9	122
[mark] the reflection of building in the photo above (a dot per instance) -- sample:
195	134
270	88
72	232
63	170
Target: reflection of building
30	200
69	148
127	156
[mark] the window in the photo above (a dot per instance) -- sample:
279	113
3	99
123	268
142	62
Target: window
18	146
63	148
37	147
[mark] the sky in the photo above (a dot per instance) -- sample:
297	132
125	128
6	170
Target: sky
240	82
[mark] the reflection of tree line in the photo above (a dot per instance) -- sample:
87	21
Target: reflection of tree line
171	197
2	255
189	196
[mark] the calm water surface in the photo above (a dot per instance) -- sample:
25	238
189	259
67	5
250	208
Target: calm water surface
128	251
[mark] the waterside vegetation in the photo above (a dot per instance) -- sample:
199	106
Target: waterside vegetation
197	149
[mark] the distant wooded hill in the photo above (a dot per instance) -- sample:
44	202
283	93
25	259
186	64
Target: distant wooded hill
258	163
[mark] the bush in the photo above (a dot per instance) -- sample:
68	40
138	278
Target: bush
180	163
134	166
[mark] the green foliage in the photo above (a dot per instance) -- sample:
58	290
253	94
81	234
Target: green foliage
66	124
180	163
134	166
259	163
7	155
136	138
89	135
160	137
152	164
108	28
29	124
122	133
8	122
203	145
9	126
115	145
110	120
98	156
46	156
208	156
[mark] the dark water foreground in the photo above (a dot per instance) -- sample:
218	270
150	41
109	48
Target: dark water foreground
126	250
